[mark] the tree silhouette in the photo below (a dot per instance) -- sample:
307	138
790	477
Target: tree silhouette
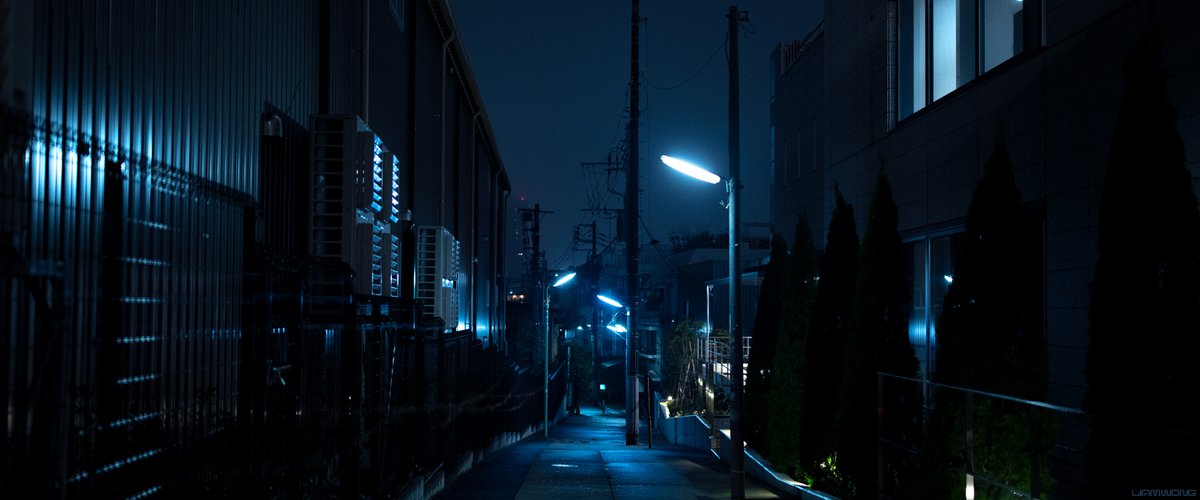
762	352
785	413
990	338
1141	372
831	317
877	341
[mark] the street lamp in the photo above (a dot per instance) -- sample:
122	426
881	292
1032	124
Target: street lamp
546	361
691	170
610	301
631	422
737	474
735	311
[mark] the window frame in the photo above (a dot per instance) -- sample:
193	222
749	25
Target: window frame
928	363
905	106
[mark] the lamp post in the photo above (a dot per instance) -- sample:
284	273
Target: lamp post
630	375
546	361
737	475
737	485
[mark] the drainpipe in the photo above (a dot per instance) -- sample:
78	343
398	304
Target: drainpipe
442	171
365	62
501	261
475	221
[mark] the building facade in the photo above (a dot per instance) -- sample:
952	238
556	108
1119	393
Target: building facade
852	97
160	215
921	88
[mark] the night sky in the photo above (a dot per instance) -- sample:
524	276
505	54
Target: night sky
554	77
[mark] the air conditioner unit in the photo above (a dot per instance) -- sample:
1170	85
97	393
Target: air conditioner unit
440	278
355	202
390	217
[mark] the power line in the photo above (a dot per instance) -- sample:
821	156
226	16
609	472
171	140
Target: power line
718	50
657	244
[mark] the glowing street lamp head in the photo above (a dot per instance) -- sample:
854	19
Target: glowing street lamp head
609	301
616	328
563	280
690	169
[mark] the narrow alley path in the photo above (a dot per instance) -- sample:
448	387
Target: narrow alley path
586	458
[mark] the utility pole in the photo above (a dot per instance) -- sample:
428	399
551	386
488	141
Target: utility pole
737	476
594	267
537	273
543	308
593	277
631	240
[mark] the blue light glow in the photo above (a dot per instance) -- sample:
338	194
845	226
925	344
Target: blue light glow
139	378
690	170
151	224
121	463
609	301
145	262
146	493
563	280
137	340
945	47
140	300
139	418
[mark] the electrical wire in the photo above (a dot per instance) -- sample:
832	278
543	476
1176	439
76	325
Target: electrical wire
657	244
724	44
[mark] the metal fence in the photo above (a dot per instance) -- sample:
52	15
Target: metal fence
149	345
122	307
976	444
713	352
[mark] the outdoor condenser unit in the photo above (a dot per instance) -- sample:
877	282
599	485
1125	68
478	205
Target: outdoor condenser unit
355	202
390	216
440	277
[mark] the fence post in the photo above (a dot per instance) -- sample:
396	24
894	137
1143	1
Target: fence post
1035	477
969	424
649	413
879	409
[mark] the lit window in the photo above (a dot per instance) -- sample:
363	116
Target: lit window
1003	31
930	270
944	44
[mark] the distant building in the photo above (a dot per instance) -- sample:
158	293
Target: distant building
692	284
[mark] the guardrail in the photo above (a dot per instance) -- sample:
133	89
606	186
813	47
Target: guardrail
694	431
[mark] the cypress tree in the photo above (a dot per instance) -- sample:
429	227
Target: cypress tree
990	338
877	341
985	340
1141	373
831	317
762	352
785	412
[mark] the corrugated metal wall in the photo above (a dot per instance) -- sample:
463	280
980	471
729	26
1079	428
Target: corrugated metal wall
123	294
153	167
